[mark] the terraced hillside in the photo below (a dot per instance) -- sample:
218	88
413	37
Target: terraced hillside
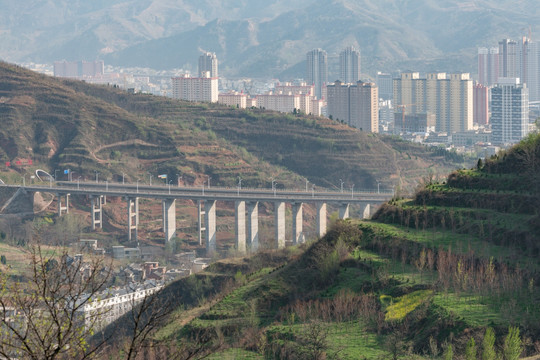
65	124
103	133
424	277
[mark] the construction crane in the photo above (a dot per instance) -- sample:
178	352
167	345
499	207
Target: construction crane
402	107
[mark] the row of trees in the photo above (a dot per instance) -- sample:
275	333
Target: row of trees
511	348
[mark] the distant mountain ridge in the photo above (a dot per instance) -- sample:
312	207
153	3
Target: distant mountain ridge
263	38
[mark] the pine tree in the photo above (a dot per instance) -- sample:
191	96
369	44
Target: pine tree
512	344
470	350
488	345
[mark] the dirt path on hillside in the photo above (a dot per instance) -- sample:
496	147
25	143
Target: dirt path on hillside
127	142
185	317
41	203
120	143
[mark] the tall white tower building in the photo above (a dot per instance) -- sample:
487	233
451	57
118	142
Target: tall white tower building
530	69
509	59
488	66
317	71
208	62
509	111
349	65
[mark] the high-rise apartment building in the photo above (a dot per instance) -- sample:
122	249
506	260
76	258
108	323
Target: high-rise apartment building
409	93
285	102
338	101
208	62
449	97
509	111
349	65
317	71
480	104
79	68
364	105
201	89
357	105
521	60
288	97
459	114
509	59
530	67
488	66
385	84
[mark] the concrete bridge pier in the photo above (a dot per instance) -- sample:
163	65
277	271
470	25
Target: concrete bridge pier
210	222
96	209
253	226
297	224
201	228
169	218
133	217
321	219
279	223
240	226
344	211
366	213
60	207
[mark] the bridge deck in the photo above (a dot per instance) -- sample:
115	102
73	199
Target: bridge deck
200	193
